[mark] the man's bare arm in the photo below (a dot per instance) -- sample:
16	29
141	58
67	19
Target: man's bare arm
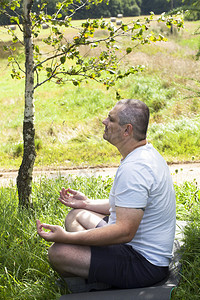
128	220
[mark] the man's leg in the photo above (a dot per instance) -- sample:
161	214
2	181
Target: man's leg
74	260
80	219
70	260
73	264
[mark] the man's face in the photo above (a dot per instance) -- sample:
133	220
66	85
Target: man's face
113	132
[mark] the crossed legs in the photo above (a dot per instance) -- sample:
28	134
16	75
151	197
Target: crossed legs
74	260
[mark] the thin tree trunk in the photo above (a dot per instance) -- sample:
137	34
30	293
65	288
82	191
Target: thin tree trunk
24	178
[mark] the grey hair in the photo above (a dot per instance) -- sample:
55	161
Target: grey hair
136	113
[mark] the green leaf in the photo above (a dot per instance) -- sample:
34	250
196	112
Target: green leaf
124	27
63	59
49	70
128	50
75	82
15	39
37	49
14	20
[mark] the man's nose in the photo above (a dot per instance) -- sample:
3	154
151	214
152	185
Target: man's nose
105	121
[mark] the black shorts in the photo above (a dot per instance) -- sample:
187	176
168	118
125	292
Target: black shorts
123	267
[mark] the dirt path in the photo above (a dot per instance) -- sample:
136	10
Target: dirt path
180	173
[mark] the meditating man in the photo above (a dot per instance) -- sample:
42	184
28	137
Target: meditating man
134	247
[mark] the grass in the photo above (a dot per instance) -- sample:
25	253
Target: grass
24	269
68	119
184	133
189	287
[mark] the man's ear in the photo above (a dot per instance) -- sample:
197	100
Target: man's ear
128	129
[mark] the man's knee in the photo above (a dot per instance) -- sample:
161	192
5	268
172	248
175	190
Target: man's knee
81	219
72	218
72	214
70	259
54	253
57	256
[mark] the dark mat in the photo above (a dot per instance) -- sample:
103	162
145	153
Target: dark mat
152	293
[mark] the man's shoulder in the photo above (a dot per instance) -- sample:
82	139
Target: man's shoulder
143	156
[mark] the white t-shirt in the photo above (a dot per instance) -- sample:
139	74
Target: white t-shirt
143	180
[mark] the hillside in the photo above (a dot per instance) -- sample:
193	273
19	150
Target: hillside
68	118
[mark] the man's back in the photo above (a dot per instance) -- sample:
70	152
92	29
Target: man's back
143	181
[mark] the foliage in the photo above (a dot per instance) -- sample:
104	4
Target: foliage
192	9
189	287
105	9
110	8
25	273
158	6
65	62
72	135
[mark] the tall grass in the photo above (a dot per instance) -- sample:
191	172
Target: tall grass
24	269
189	287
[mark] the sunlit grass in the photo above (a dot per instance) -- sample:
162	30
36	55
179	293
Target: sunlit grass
189	286
179	138
24	269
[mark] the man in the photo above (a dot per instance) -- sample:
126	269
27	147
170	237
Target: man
134	248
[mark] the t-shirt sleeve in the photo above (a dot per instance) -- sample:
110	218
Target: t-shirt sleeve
133	186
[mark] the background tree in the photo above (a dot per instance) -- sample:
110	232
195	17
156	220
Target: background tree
107	8
110	8
158	6
64	62
192	8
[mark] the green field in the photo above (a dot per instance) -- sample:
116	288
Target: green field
68	122
25	273
68	118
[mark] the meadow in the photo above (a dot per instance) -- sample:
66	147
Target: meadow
68	119
25	273
68	122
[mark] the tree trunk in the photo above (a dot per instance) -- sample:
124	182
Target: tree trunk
24	178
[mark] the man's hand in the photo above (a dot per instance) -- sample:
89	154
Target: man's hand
72	198
56	234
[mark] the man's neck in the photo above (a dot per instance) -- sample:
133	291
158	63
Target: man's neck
128	148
